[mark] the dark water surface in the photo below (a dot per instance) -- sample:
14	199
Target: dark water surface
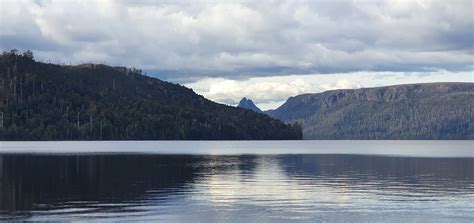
228	187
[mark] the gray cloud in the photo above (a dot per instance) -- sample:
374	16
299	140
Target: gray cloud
192	39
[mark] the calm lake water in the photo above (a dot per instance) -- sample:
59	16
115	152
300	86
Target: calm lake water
266	181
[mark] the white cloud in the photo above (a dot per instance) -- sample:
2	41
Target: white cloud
271	92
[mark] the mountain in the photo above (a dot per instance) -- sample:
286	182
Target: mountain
248	104
41	101
414	111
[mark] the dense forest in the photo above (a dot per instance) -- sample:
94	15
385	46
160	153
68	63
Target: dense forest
415	111
42	101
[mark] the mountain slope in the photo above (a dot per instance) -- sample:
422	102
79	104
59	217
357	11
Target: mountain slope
248	104
415	111
40	101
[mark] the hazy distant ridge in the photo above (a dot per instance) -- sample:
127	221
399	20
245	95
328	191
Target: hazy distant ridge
415	111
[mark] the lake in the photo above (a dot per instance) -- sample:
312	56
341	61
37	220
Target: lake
238	181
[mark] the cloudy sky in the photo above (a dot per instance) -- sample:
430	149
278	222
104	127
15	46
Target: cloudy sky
263	50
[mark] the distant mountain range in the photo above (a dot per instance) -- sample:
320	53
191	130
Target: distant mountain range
248	104
42	101
414	111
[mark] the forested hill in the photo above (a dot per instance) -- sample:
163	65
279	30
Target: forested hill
40	101
415	111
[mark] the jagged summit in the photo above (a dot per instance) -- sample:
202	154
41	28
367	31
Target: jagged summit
248	104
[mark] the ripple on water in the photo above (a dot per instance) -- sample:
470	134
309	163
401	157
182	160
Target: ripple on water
268	188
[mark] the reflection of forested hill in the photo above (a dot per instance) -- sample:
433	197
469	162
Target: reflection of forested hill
382	172
28	181
31	180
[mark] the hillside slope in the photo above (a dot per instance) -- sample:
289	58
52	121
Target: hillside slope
415	111
40	101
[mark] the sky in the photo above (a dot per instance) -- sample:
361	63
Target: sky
263	50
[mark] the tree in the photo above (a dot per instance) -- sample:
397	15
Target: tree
28	54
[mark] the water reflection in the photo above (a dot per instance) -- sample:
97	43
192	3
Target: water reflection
35	182
425	174
235	187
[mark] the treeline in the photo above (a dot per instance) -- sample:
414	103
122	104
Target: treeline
41	101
